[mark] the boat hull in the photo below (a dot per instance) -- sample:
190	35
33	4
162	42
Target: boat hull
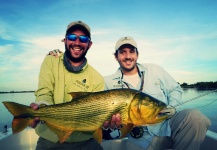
27	140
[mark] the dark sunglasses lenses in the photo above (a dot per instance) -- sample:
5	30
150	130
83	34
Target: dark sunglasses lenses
82	38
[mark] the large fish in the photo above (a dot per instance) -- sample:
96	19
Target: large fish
89	110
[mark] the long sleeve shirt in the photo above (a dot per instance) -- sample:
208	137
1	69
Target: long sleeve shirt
157	83
55	82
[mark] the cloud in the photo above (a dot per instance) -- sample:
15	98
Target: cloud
183	43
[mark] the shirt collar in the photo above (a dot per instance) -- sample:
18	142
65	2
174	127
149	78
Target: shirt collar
118	73
71	68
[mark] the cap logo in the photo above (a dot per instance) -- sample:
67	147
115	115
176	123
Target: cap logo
125	39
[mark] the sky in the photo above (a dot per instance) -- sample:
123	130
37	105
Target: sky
179	35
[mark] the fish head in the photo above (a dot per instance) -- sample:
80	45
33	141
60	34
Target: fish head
145	110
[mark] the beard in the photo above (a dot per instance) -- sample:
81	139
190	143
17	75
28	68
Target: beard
127	68
73	59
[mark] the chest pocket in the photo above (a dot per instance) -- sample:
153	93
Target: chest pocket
154	89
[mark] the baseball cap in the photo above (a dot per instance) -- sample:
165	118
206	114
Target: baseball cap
125	40
78	24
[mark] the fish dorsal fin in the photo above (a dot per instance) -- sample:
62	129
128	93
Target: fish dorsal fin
62	132
79	94
42	105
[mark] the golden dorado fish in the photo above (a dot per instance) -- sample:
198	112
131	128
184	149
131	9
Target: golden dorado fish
89	110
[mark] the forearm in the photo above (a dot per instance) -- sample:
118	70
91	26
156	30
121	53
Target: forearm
44	93
171	88
43	97
175	96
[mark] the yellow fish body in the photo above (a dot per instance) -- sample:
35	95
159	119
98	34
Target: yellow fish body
89	110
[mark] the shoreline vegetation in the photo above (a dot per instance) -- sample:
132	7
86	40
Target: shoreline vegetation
17	92
198	86
201	85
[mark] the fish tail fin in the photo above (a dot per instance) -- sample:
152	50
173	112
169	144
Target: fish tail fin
17	110
20	124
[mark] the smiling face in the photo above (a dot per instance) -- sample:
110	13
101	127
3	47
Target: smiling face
75	49
127	57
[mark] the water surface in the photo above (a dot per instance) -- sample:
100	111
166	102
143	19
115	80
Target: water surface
206	104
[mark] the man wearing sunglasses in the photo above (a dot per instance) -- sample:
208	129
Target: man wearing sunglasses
58	76
183	130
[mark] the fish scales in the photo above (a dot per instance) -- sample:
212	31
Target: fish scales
100	111
88	112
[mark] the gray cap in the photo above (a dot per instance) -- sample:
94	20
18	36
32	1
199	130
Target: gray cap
125	40
79	24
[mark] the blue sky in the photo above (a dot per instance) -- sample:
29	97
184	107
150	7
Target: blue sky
179	35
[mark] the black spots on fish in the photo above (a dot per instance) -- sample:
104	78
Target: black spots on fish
114	103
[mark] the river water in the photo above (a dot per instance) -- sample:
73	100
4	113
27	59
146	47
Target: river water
206	104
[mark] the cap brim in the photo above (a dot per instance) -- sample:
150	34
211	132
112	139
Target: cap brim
78	26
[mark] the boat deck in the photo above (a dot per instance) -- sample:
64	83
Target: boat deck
26	140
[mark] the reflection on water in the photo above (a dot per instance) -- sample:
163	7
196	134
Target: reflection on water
23	98
206	104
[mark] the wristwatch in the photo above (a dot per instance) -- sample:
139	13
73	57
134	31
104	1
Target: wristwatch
137	132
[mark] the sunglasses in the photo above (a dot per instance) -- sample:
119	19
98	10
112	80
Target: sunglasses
82	38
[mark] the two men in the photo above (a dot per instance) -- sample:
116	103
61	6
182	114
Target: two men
61	75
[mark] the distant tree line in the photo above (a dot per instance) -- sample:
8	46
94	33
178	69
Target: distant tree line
198	85
201	85
17	92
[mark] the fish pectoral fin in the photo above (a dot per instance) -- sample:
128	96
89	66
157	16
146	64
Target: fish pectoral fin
62	132
126	129
98	135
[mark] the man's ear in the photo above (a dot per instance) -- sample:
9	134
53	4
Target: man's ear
115	55
89	44
63	40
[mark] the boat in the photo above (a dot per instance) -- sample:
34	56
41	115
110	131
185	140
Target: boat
27	140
